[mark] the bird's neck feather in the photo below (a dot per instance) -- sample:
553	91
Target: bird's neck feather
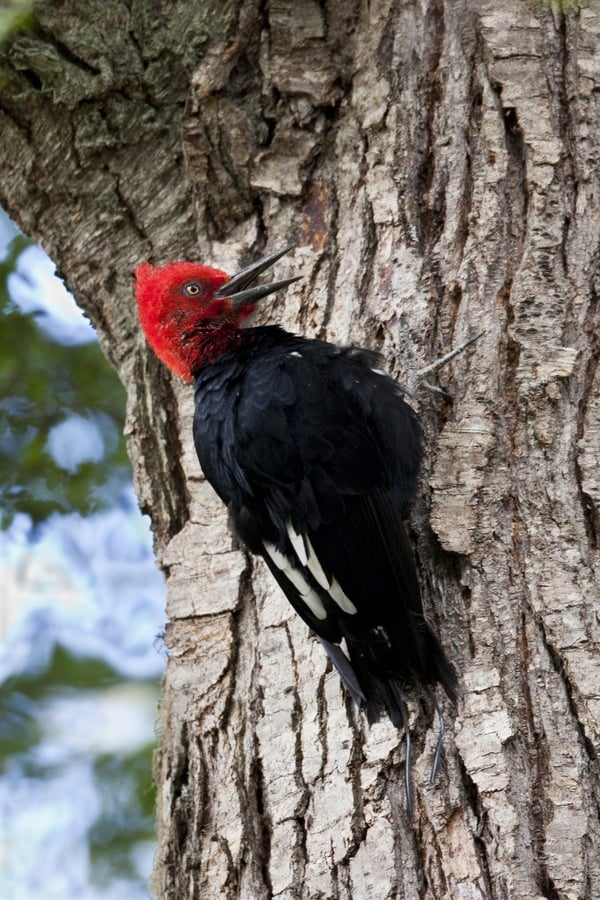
203	346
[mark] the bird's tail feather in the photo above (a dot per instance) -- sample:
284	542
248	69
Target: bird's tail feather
345	671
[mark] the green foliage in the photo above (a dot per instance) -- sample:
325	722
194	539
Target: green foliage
15	15
43	384
123	780
23	697
126	815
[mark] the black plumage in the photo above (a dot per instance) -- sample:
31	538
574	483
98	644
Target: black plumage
316	455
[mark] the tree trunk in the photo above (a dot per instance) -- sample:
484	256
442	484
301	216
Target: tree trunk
437	164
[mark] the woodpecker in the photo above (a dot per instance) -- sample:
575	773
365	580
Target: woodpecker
316	455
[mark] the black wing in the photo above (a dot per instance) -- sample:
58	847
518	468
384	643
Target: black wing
318	463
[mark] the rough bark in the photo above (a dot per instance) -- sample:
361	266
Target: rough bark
437	163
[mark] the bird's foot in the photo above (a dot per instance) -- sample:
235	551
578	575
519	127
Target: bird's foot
417	379
439	747
408	788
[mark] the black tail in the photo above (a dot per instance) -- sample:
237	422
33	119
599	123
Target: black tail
379	687
384	678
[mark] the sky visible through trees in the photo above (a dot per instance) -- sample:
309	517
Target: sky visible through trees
82	606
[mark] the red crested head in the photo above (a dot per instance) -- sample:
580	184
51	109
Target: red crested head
191	313
177	307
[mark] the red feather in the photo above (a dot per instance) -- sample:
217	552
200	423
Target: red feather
185	331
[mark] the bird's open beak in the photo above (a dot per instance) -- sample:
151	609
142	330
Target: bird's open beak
237	290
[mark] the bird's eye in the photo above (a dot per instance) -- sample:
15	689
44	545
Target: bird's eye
193	289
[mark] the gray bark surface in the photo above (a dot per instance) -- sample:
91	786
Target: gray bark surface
438	165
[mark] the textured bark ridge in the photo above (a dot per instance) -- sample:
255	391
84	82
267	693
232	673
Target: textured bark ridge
437	164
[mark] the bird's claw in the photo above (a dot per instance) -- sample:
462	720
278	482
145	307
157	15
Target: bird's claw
417	378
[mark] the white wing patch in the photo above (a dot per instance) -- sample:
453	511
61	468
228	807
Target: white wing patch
281	561
308	594
337	594
297	543
315	566
307	558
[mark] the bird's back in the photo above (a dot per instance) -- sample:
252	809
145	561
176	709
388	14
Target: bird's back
317	455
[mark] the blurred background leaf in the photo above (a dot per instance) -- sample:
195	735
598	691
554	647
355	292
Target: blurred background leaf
68	721
82	604
15	15
46	388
